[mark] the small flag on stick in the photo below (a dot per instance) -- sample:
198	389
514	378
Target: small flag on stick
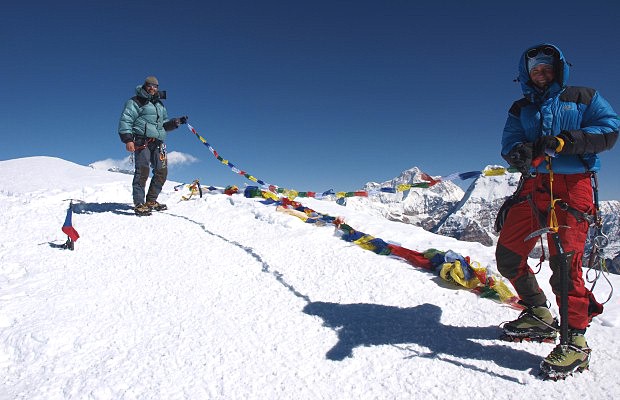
68	228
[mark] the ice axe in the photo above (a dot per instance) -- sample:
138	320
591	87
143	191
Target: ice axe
562	259
541	232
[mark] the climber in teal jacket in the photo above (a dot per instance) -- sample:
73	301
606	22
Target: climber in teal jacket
143	128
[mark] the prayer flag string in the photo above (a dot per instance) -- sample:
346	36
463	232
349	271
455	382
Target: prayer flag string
427	180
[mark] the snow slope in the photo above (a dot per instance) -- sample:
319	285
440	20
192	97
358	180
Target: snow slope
223	297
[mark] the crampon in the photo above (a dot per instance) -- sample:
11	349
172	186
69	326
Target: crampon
542	338
554	375
564	361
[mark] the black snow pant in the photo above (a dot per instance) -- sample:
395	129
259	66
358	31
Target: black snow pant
153	155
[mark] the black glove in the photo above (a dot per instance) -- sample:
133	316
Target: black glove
545	145
521	156
179	121
570	143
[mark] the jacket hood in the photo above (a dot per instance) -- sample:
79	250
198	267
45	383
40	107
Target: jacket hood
561	68
141	92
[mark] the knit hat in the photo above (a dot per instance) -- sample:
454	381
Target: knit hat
151	80
539	59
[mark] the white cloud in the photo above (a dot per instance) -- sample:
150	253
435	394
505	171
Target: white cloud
126	164
178	158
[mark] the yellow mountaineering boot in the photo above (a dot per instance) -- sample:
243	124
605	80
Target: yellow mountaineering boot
534	324
566	359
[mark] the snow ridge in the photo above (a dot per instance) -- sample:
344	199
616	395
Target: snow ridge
223	297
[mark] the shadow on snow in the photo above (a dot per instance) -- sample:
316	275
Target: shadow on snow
115	208
371	325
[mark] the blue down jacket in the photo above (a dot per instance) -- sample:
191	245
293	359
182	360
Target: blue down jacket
580	113
143	116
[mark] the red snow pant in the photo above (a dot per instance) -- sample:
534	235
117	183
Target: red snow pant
512	250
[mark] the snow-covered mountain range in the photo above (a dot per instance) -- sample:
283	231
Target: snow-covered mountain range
467	215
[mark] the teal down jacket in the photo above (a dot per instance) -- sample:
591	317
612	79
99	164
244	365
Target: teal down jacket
144	116
579	113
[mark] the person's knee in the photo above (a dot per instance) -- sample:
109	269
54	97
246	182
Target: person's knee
507	261
161	175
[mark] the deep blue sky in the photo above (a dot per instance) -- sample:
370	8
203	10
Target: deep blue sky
309	95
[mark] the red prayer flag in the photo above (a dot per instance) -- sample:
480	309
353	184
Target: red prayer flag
416	258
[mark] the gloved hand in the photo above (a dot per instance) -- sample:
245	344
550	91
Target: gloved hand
546	145
521	156
569	145
179	121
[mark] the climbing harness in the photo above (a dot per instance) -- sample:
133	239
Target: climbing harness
147	141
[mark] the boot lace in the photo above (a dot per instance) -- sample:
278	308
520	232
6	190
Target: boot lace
559	353
529	312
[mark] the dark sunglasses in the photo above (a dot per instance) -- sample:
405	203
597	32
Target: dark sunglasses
546	50
151	85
